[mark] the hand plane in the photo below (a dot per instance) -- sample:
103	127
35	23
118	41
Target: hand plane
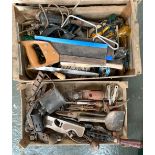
40	53
62	126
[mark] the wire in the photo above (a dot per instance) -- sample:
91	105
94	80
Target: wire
47	22
52	3
67	10
76	5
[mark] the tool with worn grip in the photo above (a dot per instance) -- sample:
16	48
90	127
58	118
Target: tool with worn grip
40	53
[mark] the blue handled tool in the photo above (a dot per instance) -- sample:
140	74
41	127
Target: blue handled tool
71	42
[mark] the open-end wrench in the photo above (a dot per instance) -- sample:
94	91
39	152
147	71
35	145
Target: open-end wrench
113	97
109	94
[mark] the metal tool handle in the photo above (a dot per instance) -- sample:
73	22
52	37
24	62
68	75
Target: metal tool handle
66	71
91	119
39	53
103	39
131	143
109	93
89	23
114	94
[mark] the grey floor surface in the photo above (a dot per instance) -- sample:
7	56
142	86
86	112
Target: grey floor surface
135	120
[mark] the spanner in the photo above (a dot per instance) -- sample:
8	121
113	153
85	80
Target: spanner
103	39
113	98
109	94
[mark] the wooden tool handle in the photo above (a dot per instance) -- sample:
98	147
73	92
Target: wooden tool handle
131	143
47	54
59	75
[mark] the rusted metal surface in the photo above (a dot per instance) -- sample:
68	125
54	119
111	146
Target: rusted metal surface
131	143
52	100
88	95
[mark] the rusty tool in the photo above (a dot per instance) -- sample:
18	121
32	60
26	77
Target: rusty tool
99	136
109	94
115	94
102	137
98	104
87	102
77	114
113	121
87	95
112	95
66	71
94	106
36	87
83	108
52	100
108	108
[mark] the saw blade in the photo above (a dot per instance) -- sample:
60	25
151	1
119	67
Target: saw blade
66	71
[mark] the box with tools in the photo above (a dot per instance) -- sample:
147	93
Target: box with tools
75	40
61	52
76	112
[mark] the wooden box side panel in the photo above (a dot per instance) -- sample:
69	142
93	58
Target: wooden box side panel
73	85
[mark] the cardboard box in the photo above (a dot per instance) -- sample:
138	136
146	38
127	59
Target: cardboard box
88	9
65	87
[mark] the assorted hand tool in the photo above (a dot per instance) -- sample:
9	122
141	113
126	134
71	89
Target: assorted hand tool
85	115
67	46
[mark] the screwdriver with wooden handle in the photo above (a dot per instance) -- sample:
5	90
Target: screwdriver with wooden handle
59	75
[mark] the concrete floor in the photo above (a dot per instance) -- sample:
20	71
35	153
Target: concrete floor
135	120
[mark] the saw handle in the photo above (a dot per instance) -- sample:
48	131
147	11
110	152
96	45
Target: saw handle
39	53
59	75
131	143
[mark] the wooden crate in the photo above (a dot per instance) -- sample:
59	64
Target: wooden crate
89	9
64	87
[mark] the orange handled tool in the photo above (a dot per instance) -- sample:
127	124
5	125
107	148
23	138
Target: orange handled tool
40	53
